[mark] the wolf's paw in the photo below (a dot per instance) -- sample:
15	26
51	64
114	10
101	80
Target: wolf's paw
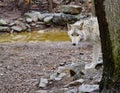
90	66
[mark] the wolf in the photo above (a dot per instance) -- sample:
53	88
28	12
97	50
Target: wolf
86	30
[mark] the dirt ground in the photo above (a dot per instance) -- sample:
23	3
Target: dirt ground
22	64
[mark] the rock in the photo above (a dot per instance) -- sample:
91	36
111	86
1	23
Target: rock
62	64
41	91
19	26
53	76
29	20
3	22
43	82
90	73
88	88
41	31
75	66
61	75
56	76
75	83
75	69
71	9
72	91
81	16
45	15
1	74
33	24
16	28
69	18
33	15
48	19
4	29
60	69
12	24
58	20
93	65
41	17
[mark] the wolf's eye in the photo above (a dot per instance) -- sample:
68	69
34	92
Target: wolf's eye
77	34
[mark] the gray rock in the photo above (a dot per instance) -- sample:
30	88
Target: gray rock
71	9
63	19
43	82
58	20
42	16
69	18
72	91
29	20
88	88
48	19
12	24
21	24
3	22
33	24
16	28
41	91
33	15
3	29
60	69
41	31
56	76
53	76
60	76
75	66
75	69
93	65
75	83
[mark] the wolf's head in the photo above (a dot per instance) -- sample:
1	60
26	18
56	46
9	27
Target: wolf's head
75	32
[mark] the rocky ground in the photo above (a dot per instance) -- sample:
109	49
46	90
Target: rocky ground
36	67
23	64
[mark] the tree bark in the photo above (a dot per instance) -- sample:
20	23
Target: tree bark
108	13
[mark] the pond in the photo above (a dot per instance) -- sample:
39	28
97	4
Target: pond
34	36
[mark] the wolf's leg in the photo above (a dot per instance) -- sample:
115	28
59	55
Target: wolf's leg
96	52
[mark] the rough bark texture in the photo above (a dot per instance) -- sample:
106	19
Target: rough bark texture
108	13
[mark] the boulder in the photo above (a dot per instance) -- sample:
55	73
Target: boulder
71	9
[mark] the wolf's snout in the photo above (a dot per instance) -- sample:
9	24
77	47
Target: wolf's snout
74	44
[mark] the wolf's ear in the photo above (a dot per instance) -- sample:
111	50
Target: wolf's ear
69	26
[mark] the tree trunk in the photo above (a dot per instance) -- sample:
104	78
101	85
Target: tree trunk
108	13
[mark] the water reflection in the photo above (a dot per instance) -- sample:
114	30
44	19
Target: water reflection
34	36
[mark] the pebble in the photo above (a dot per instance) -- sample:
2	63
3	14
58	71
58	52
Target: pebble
43	82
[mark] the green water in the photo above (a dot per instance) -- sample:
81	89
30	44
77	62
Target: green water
34	37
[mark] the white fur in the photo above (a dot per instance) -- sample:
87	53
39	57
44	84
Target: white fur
86	30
